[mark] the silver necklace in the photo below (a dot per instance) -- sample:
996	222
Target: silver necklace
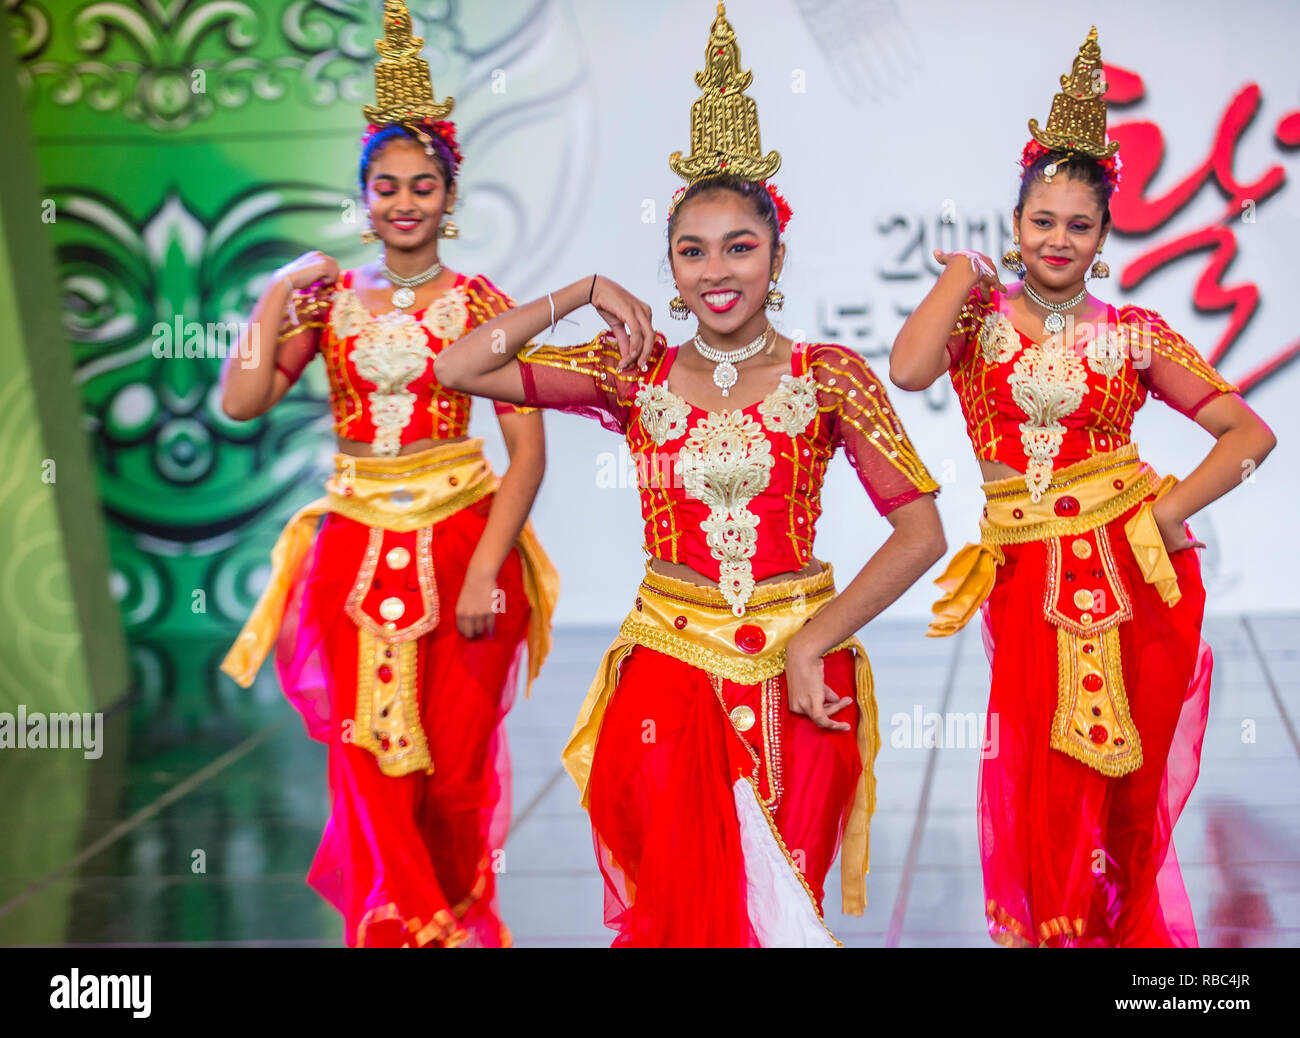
1054	322
403	296
724	374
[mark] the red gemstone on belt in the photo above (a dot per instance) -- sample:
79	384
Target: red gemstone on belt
1067	506
680	622
1017	513
638	603
1092	682
1118	484
750	638
1097	734
385	673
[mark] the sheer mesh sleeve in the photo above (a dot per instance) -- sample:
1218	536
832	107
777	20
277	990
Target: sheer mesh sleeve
484	302
584	379
1168	365
863	420
969	323
300	329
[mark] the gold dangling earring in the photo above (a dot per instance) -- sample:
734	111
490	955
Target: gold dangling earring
775	300
678	309
369	236
1012	259
449	229
1100	269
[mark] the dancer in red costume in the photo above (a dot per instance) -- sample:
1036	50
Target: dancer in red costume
1086	571
400	622
727	746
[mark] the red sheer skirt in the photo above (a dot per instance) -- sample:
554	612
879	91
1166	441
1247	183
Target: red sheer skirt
688	857
410	860
1071	856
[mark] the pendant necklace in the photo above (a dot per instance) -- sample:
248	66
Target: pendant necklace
725	374
1054	322
404	295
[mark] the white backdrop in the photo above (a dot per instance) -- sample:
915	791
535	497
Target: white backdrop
885	113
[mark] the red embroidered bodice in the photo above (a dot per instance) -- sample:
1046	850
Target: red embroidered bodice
1036	406
380	366
736	495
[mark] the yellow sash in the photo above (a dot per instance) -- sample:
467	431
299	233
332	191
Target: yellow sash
404	493
695	624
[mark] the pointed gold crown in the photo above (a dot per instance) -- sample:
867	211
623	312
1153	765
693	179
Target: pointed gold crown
724	122
1077	121
403	87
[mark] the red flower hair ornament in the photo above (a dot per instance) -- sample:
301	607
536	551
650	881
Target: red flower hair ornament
425	129
1034	151
783	210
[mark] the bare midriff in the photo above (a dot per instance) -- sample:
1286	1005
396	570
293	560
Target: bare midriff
677	571
361	449
995	470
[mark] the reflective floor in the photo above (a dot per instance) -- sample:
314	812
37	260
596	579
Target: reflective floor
200	832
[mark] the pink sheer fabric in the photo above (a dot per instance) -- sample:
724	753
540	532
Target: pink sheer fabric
410	859
1170	366
1071	856
663	810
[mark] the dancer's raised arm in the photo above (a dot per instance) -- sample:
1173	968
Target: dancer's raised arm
484	362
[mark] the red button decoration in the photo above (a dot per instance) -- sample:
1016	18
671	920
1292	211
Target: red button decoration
384	744
1097	734
385	673
1118	484
453	480
680	622
1066	506
1018	513
1092	682
638	603
1096	711
1119	742
750	638
1089	648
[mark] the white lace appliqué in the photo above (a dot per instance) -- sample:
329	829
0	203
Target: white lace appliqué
447	316
791	405
1106	353
663	413
392	351
726	462
999	339
1048	383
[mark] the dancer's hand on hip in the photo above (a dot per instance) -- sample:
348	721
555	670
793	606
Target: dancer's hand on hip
809	695
474	613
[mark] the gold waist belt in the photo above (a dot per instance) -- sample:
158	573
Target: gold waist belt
406	493
695	624
1085	596
401	494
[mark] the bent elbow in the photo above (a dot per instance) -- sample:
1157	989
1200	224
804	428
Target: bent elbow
237	412
444	370
908	381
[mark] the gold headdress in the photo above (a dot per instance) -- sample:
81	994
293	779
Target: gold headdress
1077	121
403	87
724	122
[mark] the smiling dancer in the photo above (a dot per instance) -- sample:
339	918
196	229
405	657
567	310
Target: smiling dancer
402	619
1086	571
728	742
